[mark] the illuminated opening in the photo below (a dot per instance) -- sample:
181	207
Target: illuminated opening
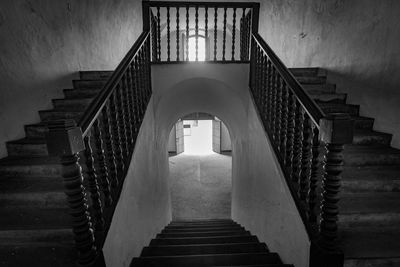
197	137
201	46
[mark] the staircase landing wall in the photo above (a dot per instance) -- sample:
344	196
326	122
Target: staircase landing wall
261	200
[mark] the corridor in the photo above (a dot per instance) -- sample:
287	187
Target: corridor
201	186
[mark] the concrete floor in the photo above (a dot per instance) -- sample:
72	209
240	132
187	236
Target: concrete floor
201	186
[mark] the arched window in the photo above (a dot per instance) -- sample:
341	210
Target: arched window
201	45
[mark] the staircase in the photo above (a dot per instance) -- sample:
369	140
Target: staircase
206	243
369	220
35	221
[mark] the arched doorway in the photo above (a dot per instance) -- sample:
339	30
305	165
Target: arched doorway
200	172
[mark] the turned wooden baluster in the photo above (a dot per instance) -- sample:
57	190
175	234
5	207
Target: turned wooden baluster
117	97
241	35
154	49
264	88
168	36
224	35
138	87
312	192
102	169
305	170
93	187
278	115
273	102
134	104
290	132
115	127
233	33
110	144
159	33
269	93
177	34
297	146
126	109
215	32
187	33
284	120
65	140
206	28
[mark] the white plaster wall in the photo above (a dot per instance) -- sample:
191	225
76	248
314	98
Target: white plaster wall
43	44
226	143
261	200
144	207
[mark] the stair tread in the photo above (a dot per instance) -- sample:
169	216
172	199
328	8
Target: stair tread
368	202
30	184
28	140
23	160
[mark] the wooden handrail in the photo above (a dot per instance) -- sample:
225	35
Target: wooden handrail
201	4
309	105
93	111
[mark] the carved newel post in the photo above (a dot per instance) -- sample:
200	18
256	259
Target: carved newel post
336	130
64	140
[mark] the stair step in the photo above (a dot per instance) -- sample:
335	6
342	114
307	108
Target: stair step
37	130
78	104
371	179
30	184
203	234
370	262
311	79
204	249
55	237
27	147
21	217
320	88
55	199
370	242
84	84
81	93
308	71
53	114
208	229
211	224
366	137
340	108
209	260
329	98
370	202
183	227
203	240
43	167
95	74
385	220
363	123
356	155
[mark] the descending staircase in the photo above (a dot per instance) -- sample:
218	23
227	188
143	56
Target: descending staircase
206	243
369	220
35	221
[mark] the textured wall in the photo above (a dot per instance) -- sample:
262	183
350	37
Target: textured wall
356	40
43	43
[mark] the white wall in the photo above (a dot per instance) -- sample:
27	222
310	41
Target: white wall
43	44
260	199
144	207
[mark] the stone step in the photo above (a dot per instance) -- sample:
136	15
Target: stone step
210	260
53	114
320	88
204	249
370	202
209	229
387	220
27	167
329	97
43	255
356	155
18	185
55	199
203	240
205	224
311	79
37	130
308	72
367	137
78	104
39	237
81	93
353	110
27	217
194	226
95	74
368	262
35	147
202	234
363	123
371	179
370	243
84	84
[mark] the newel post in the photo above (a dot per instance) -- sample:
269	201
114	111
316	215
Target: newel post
336	130
64	140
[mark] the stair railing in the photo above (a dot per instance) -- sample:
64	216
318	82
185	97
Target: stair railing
96	153
218	23
297	128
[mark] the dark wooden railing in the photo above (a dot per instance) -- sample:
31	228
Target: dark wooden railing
96	153
224	27
297	128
